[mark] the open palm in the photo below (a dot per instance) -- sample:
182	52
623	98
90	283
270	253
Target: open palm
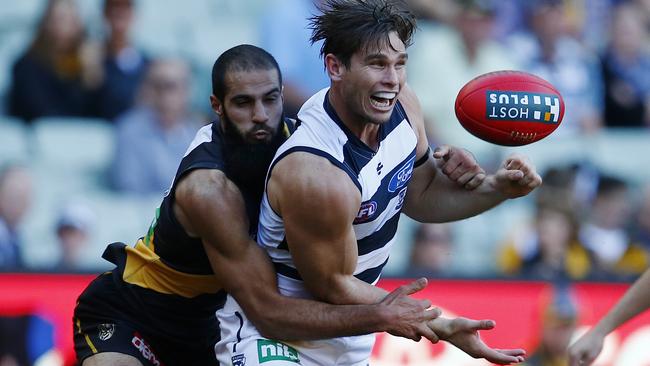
464	334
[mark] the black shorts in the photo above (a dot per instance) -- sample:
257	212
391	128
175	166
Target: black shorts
158	329
114	336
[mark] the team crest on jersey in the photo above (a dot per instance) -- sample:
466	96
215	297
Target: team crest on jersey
366	211
238	360
106	331
402	176
522	106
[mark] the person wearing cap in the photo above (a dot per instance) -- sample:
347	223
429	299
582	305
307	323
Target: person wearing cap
73	230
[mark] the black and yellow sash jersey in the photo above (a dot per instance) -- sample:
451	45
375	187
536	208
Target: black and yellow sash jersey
167	260
163	289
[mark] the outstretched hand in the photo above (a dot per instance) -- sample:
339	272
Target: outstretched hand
516	177
460	166
463	333
585	350
407	317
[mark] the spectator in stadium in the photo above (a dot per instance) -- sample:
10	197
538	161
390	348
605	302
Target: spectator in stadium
54	76
469	50
439	11
123	64
605	233
635	300
284	34
15	200
27	338
549	51
549	249
626	69
558	324
73	229
431	251
154	134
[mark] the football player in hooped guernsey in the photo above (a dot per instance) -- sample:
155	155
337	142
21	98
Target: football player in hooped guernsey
336	188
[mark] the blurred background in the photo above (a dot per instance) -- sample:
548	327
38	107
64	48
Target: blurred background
100	98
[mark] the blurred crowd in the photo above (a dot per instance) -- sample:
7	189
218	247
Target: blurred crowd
584	223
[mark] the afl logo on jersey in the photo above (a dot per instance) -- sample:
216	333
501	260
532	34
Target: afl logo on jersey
402	176
366	211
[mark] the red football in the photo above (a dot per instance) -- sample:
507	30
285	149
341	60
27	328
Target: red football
511	108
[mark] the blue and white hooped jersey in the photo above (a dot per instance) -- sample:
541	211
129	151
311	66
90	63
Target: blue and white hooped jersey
381	176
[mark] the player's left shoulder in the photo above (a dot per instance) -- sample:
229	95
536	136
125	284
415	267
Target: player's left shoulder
411	105
408	99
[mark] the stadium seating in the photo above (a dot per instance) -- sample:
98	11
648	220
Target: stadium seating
14	141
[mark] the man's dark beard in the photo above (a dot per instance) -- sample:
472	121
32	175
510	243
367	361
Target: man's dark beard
247	163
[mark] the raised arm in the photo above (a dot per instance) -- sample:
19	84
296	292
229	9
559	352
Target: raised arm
636	300
210	206
456	190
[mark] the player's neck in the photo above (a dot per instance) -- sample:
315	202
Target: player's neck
366	132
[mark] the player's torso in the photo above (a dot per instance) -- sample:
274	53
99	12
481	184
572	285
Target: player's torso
381	177
168	260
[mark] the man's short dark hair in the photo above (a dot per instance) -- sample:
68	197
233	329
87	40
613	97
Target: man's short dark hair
608	184
240	58
347	26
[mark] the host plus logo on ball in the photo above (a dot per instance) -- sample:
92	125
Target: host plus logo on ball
522	106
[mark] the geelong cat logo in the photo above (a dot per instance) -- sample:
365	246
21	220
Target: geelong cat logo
238	360
522	106
402	176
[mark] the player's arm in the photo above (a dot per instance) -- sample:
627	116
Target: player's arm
457	189
210	206
636	300
318	206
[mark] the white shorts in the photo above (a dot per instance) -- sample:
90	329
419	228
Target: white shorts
242	345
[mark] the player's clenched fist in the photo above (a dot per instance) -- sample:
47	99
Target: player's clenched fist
516	177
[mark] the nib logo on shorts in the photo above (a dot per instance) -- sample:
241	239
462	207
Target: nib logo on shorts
522	106
268	350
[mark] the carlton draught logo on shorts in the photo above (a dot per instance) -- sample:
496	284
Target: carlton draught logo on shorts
268	350
522	106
